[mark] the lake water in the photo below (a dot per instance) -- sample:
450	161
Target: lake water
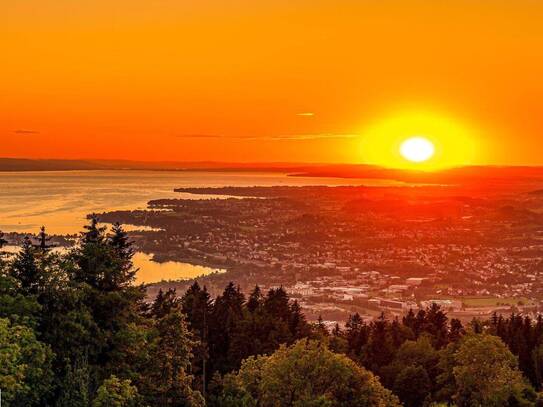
62	200
150	271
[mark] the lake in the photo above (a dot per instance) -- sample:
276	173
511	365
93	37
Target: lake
150	271
61	200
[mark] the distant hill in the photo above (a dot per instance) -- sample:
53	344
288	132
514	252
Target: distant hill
525	179
23	164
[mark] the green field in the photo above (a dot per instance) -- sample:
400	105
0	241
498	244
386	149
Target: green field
490	301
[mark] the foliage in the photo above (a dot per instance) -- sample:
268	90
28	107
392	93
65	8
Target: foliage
25	366
76	331
485	373
116	393
304	374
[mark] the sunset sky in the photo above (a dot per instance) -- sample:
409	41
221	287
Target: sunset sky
272	80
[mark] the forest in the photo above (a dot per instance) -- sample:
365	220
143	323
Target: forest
75	330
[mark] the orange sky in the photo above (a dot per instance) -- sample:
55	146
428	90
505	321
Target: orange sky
227	80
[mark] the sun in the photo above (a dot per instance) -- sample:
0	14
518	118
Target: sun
417	149
421	140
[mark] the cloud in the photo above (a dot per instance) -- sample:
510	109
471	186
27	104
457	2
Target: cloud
277	138
198	136
306	114
23	131
314	136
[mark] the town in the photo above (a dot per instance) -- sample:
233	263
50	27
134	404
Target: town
356	249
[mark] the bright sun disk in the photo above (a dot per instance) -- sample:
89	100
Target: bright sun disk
417	149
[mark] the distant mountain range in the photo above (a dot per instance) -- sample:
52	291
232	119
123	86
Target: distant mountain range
461	175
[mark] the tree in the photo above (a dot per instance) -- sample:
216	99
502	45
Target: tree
456	330
3	242
255	300
537	356
116	393
485	373
18	307
227	313
304	374
25	366
93	258
412	386
43	246
379	350
413	371
123	251
25	270
169	382
436	325
197	307
357	335
75	385
164	303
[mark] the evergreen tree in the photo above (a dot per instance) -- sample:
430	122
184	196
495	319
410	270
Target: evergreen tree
197	307
93	258
319	329
25	270
227	313
456	330
357	335
124	273
169	382
3	241
255	300
298	326
379	350
43	246
75	385
164	303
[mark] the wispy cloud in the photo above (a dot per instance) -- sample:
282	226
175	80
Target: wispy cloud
313	136
23	131
198	135
268	137
305	114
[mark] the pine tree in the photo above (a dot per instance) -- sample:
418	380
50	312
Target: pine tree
123	249
276	303
164	303
298	326
93	257
436	325
227	313
74	389
255	300
357	335
169	382
94	233
379	351
3	241
197	306
43	246
25	270
319	329
456	331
